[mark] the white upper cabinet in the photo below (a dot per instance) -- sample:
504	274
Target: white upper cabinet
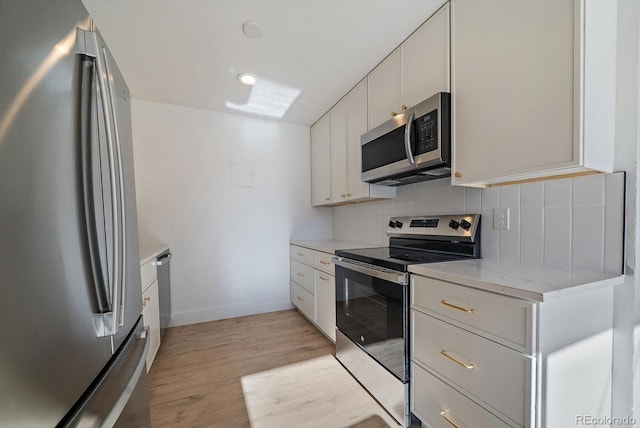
347	121
425	59
357	116
418	69
321	161
533	86
384	90
339	187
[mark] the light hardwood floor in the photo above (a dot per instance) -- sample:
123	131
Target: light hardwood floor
195	378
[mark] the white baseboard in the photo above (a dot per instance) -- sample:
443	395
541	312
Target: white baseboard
224	312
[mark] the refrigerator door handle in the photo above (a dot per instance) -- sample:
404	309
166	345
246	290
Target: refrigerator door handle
122	206
120	404
106	323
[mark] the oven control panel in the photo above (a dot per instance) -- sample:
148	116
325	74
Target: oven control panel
460	227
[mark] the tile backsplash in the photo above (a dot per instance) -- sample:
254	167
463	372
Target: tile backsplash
571	223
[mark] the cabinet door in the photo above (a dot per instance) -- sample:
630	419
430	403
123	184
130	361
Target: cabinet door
384	90
326	304
321	161
338	116
151	319
357	125
513	81
425	60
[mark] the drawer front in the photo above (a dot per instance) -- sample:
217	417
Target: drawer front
303	300
303	275
323	262
440	406
506	320
494	374
149	274
301	254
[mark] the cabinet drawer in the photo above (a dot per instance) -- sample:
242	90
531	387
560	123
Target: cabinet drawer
494	374
149	274
433	401
304	300
301	254
506	320
303	275
323	262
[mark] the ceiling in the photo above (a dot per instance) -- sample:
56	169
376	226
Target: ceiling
189	52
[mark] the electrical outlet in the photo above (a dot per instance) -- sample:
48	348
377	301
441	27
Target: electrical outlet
501	218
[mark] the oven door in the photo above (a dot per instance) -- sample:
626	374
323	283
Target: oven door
372	311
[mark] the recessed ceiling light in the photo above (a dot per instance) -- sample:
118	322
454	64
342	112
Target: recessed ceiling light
252	29
247	79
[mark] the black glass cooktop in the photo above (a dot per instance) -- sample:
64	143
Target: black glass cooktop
397	258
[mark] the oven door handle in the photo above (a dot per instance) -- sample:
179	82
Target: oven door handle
401	278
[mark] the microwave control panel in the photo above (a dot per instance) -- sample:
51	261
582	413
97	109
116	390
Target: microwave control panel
426	132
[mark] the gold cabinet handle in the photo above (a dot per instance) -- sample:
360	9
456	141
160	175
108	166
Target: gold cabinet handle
457	361
394	114
323	278
324	263
446	418
301	275
344	196
146	300
301	254
348	194
327	199
457	175
300	298
456	307
404	107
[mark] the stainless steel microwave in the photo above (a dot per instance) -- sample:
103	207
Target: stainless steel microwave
413	146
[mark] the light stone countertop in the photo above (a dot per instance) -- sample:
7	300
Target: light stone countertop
537	284
331	245
148	252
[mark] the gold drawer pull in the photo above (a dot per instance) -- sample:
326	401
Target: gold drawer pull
324	263
457	361
323	278
301	254
446	418
300	274
146	300
457	308
300	299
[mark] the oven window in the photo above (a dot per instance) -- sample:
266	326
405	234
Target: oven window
372	313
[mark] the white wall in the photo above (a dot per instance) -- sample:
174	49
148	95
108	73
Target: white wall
229	243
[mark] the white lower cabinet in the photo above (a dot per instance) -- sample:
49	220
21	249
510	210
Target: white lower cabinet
326	303
545	365
151	319
312	285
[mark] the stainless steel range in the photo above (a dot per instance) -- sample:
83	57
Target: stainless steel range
373	300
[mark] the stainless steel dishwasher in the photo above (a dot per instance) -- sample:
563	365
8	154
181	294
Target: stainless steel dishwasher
164	290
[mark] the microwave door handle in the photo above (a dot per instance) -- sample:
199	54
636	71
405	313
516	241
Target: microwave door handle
407	139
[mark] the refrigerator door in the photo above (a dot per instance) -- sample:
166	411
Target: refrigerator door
128	281
120	396
50	352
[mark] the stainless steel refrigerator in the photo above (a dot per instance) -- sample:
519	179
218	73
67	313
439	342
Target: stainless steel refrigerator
72	345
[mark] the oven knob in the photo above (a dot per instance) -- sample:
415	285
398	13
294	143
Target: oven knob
465	224
392	224
362	339
398	224
454	225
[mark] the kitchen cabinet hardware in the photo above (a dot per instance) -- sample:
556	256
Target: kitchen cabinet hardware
300	274
468	366
324	263
456	307
446	418
323	278
146	300
301	254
